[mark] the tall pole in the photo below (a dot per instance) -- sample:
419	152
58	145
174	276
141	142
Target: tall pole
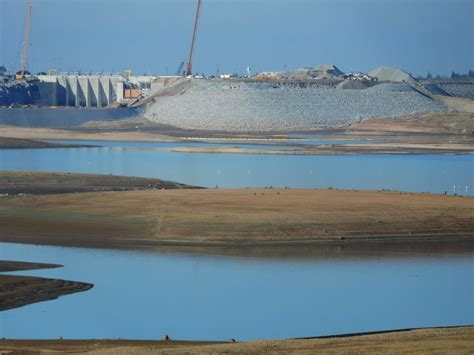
189	66
26	41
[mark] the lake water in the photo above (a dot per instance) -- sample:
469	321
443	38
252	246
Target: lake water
427	173
145	295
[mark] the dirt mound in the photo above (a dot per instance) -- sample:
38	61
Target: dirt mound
392	74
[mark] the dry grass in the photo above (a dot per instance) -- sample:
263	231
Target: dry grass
144	218
425	341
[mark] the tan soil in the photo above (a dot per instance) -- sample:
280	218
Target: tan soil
143	219
452	123
20	143
458	104
49	133
427	341
366	148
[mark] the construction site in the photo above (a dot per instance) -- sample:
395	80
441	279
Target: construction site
309	98
312	209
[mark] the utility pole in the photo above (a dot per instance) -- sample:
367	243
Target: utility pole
26	42
189	66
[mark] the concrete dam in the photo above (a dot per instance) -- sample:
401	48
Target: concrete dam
64	101
80	91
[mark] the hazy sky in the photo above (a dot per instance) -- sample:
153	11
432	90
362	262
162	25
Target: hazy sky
152	36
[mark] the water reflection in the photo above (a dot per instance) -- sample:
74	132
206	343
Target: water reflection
395	250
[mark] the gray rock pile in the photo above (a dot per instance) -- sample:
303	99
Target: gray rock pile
319	71
463	90
391	74
243	106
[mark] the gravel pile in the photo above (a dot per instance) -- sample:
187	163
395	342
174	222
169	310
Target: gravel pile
239	106
435	89
464	90
391	74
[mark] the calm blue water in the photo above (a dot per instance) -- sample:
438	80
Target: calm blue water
435	174
168	146
191	296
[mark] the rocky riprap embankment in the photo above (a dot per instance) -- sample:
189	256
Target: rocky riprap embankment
231	105
463	90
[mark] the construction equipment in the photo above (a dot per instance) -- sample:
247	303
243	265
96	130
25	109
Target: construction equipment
265	76
189	66
179	71
26	43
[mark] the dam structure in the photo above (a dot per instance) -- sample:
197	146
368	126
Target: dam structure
80	90
69	100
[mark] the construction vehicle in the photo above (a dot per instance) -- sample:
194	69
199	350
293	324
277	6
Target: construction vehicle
26	43
189	66
265	76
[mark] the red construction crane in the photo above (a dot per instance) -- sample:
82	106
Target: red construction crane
26	43
189	65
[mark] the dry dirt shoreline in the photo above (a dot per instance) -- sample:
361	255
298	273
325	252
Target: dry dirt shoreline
52	134
431	133
18	182
346	149
18	291
10	265
458	340
21	143
248	217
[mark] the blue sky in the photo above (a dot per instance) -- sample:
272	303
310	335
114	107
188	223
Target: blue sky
152	36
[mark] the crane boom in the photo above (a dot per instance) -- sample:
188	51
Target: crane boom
189	66
26	41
